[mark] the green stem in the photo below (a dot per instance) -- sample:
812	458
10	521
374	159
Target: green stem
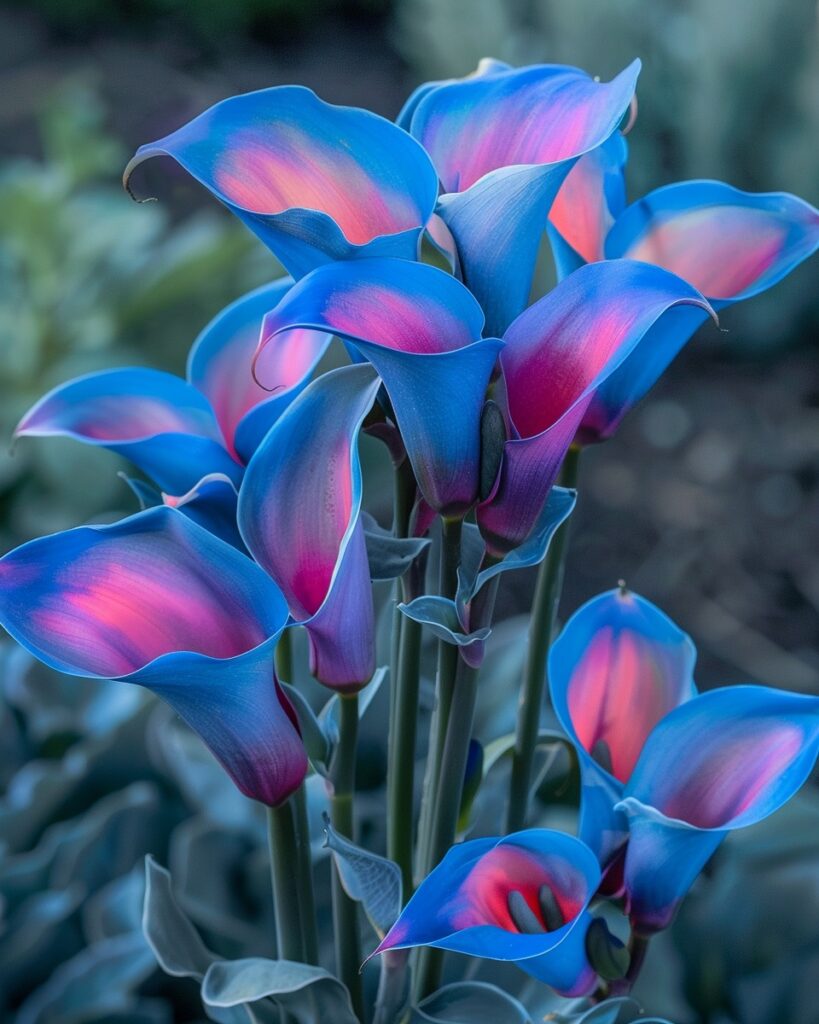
405	679
444	683
345	910
307	903
401	767
449	792
541	630
284	657
289	852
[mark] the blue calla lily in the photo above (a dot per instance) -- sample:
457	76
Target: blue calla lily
556	356
300	516
316	182
181	433
521	899
421	330
668	773
619	665
729	244
723	761
503	142
158	601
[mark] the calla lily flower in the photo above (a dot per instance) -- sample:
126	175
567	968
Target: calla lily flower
556	355
315	182
667	774
421	330
617	668
300	516
522	898
158	601
725	760
180	431
502	142
729	244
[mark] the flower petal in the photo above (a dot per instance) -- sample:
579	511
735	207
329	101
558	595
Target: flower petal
617	668
556	354
728	243
417	326
638	373
724	760
299	510
212	504
220	365
463	905
315	182
502	144
157	421
158	601
590	199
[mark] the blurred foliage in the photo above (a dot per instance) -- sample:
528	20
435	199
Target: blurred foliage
207	23
96	775
729	90
89	279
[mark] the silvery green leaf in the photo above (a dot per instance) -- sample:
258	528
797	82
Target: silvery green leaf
389	556
308	994
328	716
372	881
38	936
107	840
34	795
315	741
116	908
621	1010
558	508
469	1001
98	981
175	942
441	618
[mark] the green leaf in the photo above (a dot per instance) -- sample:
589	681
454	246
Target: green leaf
97	982
175	942
315	741
467	1002
389	556
308	994
473	776
440	616
328	716
372	881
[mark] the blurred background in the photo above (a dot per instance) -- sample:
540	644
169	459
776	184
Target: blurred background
707	501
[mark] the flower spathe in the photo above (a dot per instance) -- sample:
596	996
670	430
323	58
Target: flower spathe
618	667
421	329
299	515
464	905
556	355
316	182
729	244
668	773
503	141
722	761
158	601
180	432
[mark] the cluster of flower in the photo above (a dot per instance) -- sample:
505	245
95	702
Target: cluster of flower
255	524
